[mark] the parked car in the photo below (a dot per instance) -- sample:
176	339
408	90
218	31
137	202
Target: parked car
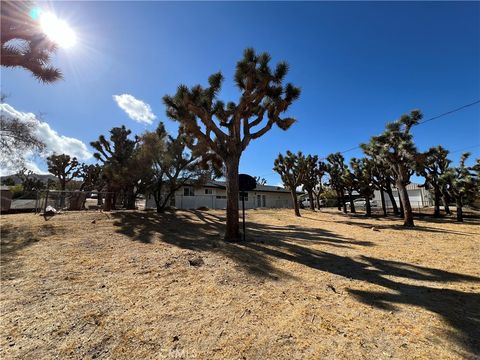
306	203
361	204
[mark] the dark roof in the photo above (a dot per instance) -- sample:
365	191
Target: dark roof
259	188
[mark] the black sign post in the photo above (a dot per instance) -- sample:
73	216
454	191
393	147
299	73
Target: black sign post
245	183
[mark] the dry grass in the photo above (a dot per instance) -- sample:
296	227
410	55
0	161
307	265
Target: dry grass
322	286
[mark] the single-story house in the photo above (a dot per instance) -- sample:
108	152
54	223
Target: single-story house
213	195
418	195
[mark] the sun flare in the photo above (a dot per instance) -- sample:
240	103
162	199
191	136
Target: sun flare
57	30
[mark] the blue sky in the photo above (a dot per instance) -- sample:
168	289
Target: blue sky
359	65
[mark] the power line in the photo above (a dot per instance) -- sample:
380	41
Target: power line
425	121
449	112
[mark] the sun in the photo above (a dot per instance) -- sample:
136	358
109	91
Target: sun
57	30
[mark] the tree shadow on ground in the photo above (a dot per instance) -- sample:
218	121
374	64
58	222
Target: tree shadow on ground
201	231
13	240
375	221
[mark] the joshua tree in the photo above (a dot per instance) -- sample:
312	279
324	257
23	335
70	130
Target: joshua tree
260	180
350	183
311	178
172	166
432	168
64	168
362	171
202	116
319	189
292	168
383	180
24	43
462	184
396	149
119	165
336	169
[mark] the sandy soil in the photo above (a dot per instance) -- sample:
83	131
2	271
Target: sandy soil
141	285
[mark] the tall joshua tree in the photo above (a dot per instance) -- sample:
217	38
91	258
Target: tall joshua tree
336	169
292	169
311	178
432	168
395	147
24	44
462	184
210	125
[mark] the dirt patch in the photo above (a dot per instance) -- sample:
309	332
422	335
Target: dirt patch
141	284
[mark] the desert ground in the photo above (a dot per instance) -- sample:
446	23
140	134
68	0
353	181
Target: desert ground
131	285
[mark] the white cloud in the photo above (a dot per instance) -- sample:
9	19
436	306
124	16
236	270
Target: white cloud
55	143
136	109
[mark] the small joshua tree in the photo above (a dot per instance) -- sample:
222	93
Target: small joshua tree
210	125
65	169
311	178
362	171
462	184
434	165
336	170
292	169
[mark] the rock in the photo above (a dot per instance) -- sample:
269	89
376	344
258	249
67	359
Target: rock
94	221
374	228
197	262
331	287
176	338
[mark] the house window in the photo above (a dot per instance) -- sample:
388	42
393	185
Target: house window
208	191
240	197
188	191
221	197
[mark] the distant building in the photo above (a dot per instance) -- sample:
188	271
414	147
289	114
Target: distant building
213	195
418	195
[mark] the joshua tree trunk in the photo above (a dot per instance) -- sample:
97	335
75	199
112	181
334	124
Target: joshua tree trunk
232	231
339	202
63	185
295	202
405	203
445	204
130	199
310	199
459	209
384	207
436	200
107	205
392	200
368	207
99	199
352	204
318	201
402	213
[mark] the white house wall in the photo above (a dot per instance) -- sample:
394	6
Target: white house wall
217	200
418	197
